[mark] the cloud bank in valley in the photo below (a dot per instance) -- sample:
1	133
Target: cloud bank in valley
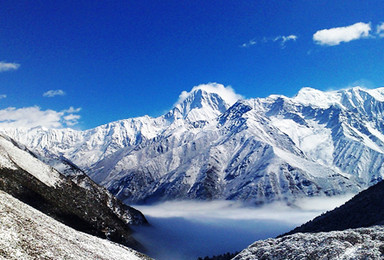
189	229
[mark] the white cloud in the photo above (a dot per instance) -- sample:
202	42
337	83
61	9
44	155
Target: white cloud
71	119
6	66
289	38
249	43
3	96
197	228
302	210
380	30
30	117
72	110
281	38
53	93
335	36
226	93
284	39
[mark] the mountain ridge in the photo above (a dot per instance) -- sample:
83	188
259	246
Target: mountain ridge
260	150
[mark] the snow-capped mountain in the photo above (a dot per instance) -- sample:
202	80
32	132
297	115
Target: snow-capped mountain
75	201
84	148
210	146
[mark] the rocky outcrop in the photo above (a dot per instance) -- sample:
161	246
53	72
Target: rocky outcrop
361	243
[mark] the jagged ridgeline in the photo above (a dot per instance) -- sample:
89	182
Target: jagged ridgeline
213	146
75	201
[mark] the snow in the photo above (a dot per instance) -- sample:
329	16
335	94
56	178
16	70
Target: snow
313	139
24	160
313	97
5	161
375	133
377	93
29	234
367	141
360	243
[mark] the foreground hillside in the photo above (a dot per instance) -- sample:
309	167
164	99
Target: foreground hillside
351	231
364	210
26	233
361	243
75	201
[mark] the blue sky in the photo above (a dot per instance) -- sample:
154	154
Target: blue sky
85	63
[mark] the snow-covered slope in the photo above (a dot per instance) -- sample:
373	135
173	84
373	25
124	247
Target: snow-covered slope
76	200
26	233
240	156
14	157
211	147
361	243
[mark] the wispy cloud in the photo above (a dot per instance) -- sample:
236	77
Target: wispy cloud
249	43
3	96
237	210
334	36
281	39
53	93
284	39
380	30
71	119
72	110
7	66
30	117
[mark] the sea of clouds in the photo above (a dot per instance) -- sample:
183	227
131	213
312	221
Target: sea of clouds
189	229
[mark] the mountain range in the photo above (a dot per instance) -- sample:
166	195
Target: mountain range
212	145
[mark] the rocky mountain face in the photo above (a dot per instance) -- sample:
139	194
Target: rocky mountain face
360	243
26	233
75	201
211	147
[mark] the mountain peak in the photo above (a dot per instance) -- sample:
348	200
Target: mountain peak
318	98
225	93
346	98
205	101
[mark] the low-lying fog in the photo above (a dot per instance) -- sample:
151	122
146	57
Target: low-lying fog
189	229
